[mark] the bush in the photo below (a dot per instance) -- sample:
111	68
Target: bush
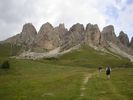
5	65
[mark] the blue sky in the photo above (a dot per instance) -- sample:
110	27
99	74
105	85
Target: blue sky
129	1
15	13
121	16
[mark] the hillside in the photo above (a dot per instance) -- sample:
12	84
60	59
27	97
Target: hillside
5	50
90	58
8	50
62	78
40	80
84	57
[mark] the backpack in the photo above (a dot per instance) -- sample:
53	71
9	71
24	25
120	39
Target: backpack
108	71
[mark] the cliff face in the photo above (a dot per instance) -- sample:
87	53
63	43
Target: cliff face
42	40
49	38
92	34
74	36
123	38
108	35
25	38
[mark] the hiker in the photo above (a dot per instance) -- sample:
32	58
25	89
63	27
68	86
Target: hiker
108	71
100	69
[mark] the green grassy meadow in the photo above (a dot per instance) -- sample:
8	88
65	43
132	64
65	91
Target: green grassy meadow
89	58
61	78
119	87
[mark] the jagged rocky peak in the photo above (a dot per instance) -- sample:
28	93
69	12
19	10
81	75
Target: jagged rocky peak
45	28
74	36
57	35
28	28
28	34
77	28
109	28
123	38
131	43
92	27
42	40
60	30
26	37
108	34
92	34
49	38
62	26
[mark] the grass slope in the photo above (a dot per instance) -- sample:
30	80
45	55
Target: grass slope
5	50
31	80
62	78
88	57
119	87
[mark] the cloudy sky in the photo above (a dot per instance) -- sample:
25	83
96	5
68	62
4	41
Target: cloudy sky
15	13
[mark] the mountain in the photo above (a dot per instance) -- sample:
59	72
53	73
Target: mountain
25	38
59	40
48	37
73	37
92	34
123	38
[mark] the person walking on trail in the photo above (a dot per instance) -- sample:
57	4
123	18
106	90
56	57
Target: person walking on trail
108	71
100	69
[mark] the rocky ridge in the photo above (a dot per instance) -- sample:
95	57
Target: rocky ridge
50	38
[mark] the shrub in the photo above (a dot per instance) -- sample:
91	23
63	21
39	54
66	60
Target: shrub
5	65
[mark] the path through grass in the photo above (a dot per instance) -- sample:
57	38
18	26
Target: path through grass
33	80
119	87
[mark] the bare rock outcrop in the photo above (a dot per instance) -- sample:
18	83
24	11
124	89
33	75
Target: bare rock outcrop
74	36
28	34
123	38
108	35
76	33
12	40
26	37
42	41
92	34
49	38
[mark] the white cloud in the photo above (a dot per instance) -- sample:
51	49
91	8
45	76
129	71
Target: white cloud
101	12
125	20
